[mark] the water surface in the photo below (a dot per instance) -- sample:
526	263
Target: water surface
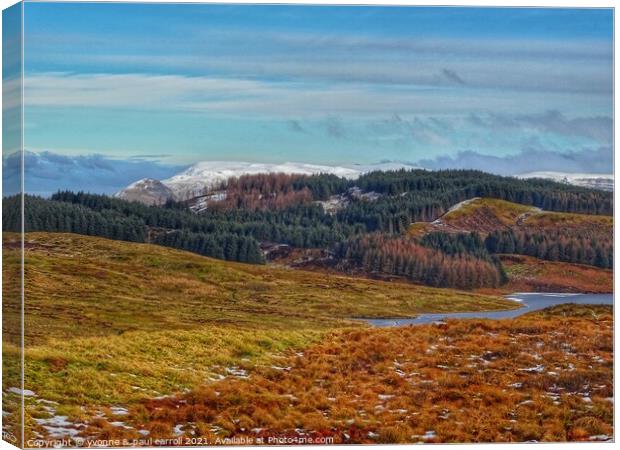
529	301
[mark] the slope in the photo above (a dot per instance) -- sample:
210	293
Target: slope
485	215
111	322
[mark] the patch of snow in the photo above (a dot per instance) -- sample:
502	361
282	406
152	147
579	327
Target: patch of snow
204	176
117	424
430	434
58	426
18	391
237	372
119	411
591	180
536	369
600	437
461	204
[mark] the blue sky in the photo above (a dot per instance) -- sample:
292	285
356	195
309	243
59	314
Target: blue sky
175	84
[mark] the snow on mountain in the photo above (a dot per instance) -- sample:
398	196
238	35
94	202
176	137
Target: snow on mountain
603	182
148	191
208	175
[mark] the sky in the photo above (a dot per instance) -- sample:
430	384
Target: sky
174	84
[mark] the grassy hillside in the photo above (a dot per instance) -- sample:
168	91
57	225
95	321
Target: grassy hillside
86	286
485	215
567	273
110	322
527	274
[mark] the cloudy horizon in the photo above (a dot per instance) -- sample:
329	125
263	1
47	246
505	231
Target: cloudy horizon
506	90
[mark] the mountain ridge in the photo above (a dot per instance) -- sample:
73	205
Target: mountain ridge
205	176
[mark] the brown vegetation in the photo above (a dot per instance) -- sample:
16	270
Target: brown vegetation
546	376
267	191
485	215
406	258
527	274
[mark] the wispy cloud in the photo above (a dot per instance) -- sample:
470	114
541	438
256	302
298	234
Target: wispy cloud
598	160
349	84
524	64
269	98
295	125
452	76
598	128
334	127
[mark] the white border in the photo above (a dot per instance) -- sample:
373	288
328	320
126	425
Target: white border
480	3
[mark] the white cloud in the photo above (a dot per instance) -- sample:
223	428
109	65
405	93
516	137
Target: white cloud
516	64
238	96
594	160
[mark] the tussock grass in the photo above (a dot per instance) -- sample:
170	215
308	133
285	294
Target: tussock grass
113	323
527	274
545	376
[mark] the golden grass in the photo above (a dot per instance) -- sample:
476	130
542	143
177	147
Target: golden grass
114	323
545	376
527	274
79	286
506	212
487	214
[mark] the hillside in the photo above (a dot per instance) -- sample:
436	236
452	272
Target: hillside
101	316
539	250
114	327
202	177
112	287
604	182
528	274
485	215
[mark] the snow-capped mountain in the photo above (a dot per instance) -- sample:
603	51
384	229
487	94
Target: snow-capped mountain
148	191
603	182
205	176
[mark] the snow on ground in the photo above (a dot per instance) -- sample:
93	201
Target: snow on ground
591	180
18	391
204	176
461	204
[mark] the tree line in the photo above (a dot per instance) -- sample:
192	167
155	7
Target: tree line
65	217
282	209
404	257
269	191
554	245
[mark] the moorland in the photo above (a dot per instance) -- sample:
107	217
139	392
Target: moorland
238	318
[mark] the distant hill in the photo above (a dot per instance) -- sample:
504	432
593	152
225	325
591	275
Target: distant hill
528	274
600	181
485	215
205	176
539	250
148	191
